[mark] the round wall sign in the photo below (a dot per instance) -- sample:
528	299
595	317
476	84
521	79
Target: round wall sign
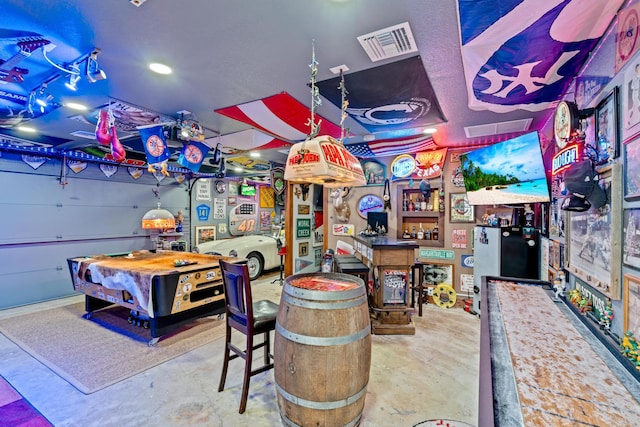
369	203
403	166
564	121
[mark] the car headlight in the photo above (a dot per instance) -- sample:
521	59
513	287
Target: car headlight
233	253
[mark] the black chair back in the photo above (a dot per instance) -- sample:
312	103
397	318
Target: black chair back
237	291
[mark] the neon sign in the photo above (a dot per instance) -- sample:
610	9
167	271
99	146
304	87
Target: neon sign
564	158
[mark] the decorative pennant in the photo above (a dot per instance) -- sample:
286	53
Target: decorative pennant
76	165
179	177
159	176
34	161
192	155
155	147
135	172
277	179
108	170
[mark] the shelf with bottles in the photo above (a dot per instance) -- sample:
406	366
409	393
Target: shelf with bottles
425	231
416	211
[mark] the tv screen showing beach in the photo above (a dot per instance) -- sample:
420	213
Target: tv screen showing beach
509	172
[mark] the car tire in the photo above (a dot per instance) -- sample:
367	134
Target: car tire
255	264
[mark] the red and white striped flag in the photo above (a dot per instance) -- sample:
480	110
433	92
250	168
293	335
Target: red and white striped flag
280	115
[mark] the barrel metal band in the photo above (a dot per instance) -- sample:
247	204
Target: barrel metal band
312	404
323	295
322	341
288	423
323	305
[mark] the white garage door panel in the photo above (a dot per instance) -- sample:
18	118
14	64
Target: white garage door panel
39	272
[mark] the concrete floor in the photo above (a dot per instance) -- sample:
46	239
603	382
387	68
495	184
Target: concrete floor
431	375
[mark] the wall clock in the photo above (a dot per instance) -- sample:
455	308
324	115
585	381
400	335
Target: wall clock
565	120
221	186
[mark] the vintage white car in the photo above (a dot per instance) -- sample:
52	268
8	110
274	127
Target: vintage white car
260	250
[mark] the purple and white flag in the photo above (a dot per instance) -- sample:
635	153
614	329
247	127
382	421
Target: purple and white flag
523	54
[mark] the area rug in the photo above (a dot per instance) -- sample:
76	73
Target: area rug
15	410
93	354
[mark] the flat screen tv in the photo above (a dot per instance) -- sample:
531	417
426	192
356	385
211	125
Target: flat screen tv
505	173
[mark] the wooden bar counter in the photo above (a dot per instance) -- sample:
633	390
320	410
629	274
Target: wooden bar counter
390	262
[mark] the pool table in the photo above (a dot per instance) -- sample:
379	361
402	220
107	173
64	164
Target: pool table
164	290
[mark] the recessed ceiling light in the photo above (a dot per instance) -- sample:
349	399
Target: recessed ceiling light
254	154
26	129
160	68
238	169
76	106
429	131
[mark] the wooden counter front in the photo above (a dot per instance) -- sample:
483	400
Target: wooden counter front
390	261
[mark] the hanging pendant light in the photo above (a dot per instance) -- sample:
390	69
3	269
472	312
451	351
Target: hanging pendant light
322	159
158	219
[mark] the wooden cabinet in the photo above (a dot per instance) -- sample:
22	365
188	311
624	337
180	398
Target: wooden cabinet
391	261
414	212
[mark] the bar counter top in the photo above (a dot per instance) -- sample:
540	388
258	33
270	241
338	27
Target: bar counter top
386	242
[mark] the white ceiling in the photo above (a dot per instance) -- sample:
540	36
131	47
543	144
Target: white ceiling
227	52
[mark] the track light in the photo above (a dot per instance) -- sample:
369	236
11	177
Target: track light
42	97
74	77
94	72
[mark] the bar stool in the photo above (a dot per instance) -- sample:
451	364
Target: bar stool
250	319
349	264
417	275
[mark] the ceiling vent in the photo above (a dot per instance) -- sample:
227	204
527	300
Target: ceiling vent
389	42
511	126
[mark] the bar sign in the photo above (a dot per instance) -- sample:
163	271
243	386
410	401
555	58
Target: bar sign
436	253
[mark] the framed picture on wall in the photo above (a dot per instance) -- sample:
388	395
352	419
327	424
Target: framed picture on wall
459	208
205	234
435	274
631	95
632	304
607	133
374	172
631	238
632	165
592	238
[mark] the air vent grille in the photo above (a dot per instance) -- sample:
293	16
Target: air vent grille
512	126
389	42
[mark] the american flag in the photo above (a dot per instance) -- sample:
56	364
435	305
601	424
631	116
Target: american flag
391	147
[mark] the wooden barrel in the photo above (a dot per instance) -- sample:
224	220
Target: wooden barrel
322	350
